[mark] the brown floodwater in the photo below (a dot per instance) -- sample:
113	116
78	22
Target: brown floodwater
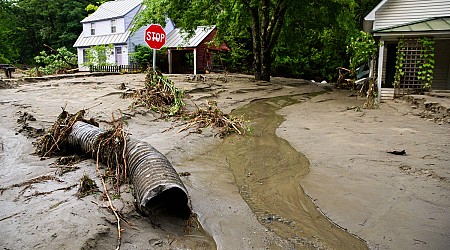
269	172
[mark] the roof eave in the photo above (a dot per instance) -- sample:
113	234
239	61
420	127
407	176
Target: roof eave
371	15
102	19
413	33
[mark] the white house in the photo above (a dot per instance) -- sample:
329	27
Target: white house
111	24
410	20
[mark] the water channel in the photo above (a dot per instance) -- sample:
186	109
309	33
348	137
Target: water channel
269	172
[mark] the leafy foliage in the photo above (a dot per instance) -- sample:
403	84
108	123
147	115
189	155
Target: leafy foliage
311	42
399	73
142	55
92	7
361	49
26	25
58	62
98	55
425	74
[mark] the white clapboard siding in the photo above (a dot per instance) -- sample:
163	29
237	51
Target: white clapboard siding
397	12
387	94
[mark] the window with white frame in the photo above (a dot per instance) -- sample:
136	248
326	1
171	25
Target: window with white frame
113	26
92	29
85	56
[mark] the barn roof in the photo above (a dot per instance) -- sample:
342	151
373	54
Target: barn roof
112	9
177	38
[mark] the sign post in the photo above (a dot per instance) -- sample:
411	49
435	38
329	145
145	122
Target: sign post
155	37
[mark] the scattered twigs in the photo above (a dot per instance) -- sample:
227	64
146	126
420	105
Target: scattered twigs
30	182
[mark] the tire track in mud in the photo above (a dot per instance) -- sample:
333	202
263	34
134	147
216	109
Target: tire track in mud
269	171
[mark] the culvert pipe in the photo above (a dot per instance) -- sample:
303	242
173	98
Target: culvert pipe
157	186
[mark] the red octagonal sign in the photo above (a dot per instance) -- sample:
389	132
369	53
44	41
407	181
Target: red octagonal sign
155	36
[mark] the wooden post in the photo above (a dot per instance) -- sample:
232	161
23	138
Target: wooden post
195	62
380	69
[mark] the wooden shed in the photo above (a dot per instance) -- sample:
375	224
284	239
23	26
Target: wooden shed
410	21
182	47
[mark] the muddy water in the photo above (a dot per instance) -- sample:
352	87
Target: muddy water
268	172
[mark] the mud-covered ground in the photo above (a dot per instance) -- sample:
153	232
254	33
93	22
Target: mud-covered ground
390	201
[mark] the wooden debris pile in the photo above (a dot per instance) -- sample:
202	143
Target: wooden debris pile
159	94
56	137
212	116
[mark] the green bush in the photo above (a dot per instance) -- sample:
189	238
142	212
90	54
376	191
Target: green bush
59	62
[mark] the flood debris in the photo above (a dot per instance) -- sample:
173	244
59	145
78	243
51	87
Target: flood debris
212	116
156	183
397	152
55	139
37	193
27	184
161	95
64	164
86	187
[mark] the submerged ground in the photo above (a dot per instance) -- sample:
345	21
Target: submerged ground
246	191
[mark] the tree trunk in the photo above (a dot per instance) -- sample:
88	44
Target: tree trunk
265	33
256	37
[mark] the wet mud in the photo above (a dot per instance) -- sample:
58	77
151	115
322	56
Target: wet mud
269	172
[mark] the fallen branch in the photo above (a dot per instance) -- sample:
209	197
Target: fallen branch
111	206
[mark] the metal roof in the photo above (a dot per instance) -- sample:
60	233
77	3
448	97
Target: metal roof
179	39
426	25
112	9
119	38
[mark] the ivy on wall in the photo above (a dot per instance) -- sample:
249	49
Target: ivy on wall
399	73
425	64
425	74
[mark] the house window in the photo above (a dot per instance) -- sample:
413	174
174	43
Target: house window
113	26
92	29
85	56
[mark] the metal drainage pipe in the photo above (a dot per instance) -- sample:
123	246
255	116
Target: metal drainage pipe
156	183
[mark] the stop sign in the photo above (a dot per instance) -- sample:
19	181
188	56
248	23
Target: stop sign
155	36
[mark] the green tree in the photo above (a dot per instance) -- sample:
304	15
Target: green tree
302	38
265	17
9	53
26	25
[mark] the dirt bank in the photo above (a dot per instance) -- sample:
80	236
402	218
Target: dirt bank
385	199
391	201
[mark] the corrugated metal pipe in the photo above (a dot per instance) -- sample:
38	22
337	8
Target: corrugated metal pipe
157	186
